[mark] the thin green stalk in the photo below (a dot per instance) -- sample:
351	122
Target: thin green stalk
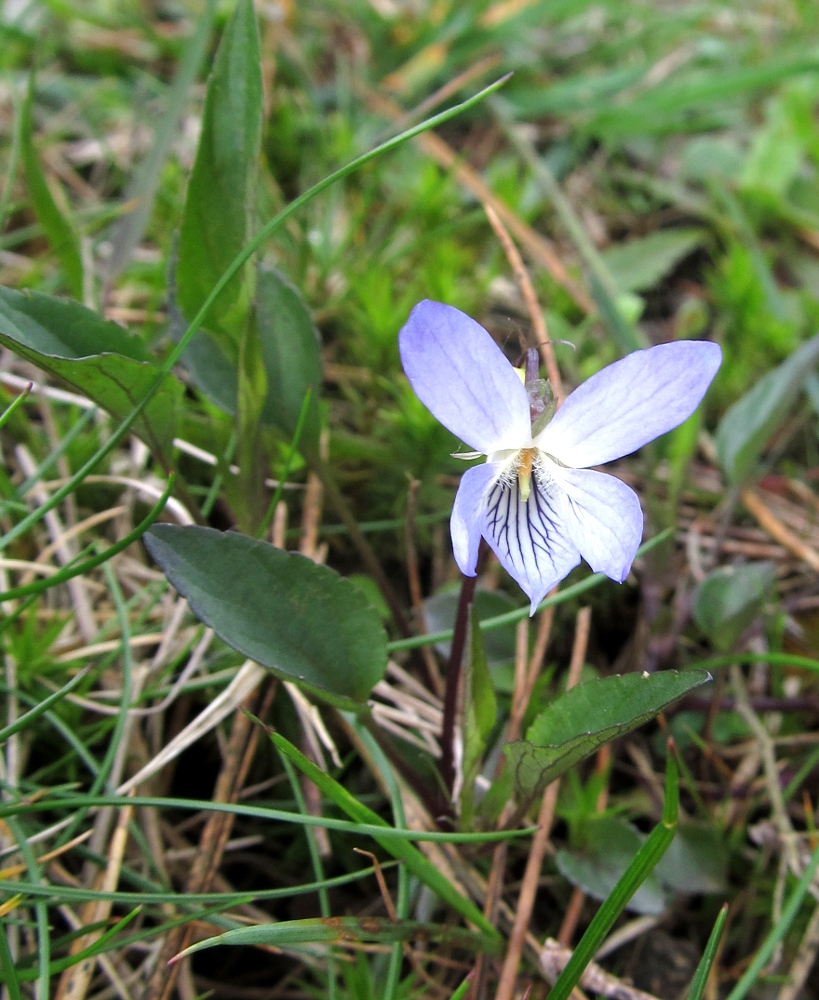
56	801
84	567
241	259
644	862
778	932
62	447
17	401
9	972
318	867
707	960
40	909
66	893
288	465
218	479
43	706
512	617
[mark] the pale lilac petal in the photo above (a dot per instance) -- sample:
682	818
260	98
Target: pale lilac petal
467	515
602	517
630	403
528	537
461	375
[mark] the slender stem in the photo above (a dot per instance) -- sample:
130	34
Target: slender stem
453	675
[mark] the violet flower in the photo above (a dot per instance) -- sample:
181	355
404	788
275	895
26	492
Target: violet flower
536	500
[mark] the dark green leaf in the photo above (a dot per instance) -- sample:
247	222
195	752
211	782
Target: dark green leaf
727	601
93	357
220	203
610	846
583	719
638	265
59	231
302	621
439	615
290	348
748	425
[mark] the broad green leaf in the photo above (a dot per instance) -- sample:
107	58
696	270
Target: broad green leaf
610	845
345	930
302	621
696	861
94	357
727	601
220	203
749	423
638	265
59	231
583	719
290	349
416	864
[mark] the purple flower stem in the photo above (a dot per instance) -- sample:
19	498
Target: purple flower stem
453	673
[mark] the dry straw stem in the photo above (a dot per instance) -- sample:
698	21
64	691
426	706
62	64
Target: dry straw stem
777	530
215	834
554	957
528	891
75	981
527	291
537	246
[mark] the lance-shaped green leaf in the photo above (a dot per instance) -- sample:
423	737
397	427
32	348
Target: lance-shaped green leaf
220	203
727	601
639	264
94	357
580	721
749	423
290	348
346	931
59	231
302	621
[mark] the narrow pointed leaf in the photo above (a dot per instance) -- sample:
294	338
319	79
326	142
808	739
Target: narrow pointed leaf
415	862
639	264
59	231
580	721
220	202
302	621
707	960
347	930
748	425
92	356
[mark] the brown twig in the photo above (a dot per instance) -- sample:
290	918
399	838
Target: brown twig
215	835
777	530
532	304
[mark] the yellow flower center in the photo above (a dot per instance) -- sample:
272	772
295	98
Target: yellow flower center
524	464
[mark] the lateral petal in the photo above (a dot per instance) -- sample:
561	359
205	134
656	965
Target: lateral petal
528	537
466	521
461	375
603	518
630	403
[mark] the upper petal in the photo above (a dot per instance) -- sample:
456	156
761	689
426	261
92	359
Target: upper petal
529	537
630	403
603	518
467	515
461	375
